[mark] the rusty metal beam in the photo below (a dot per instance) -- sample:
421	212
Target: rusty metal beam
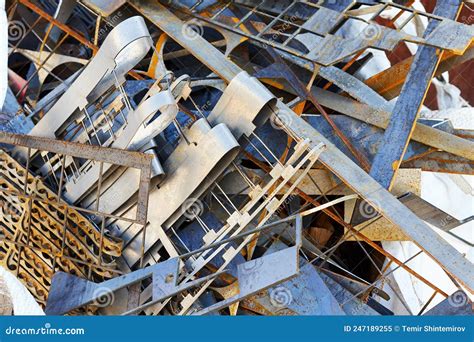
404	114
107	155
389	82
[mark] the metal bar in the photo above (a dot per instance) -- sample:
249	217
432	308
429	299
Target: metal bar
107	155
404	114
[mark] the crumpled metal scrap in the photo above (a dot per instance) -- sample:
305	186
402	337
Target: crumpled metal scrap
230	157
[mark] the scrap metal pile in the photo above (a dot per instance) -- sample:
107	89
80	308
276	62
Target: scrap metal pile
230	157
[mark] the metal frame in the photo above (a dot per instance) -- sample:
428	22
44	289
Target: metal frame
38	198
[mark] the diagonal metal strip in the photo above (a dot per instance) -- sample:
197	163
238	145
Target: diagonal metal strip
404	114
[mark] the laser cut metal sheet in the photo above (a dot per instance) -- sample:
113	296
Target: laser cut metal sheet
239	220
123	48
306	294
258	274
258	105
163	102
334	47
40	232
70	292
243	218
192	162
